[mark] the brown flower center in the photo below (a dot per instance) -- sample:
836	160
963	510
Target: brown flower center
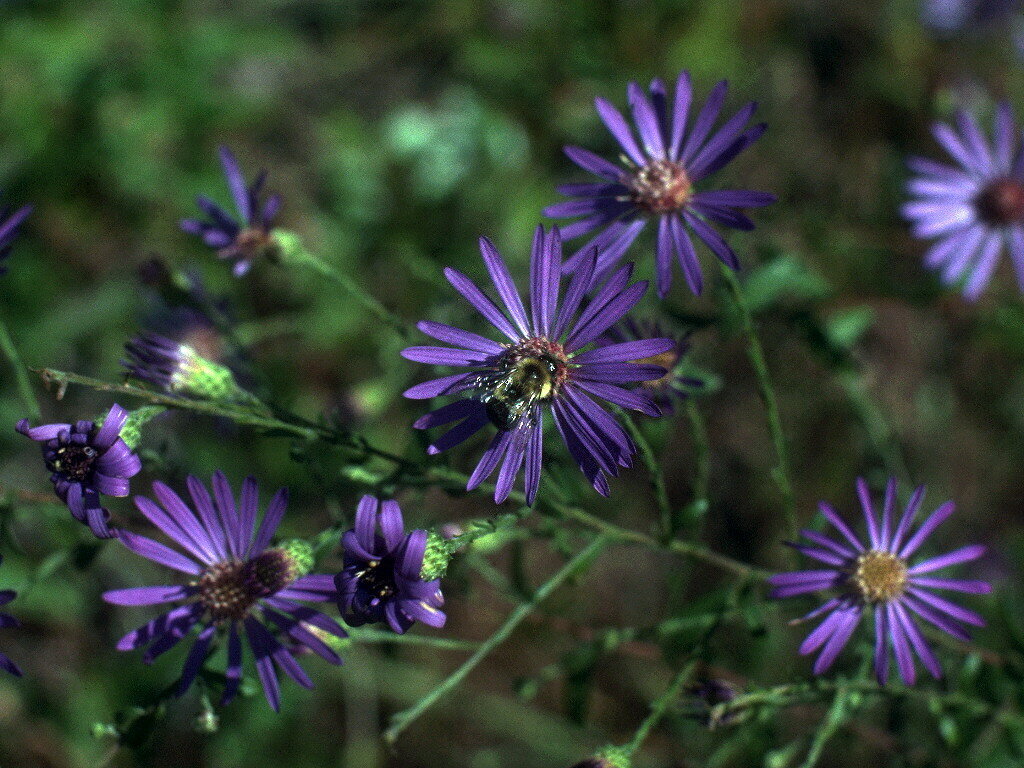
74	461
230	588
377	578
1001	202
661	186
880	576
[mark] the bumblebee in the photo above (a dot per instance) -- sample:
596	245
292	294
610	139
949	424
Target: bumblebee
513	393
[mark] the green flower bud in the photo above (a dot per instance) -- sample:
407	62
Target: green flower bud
437	556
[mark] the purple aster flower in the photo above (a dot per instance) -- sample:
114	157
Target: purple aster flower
879	579
239	585
244	240
87	460
975	208
673	385
9	224
6	620
381	580
659	182
546	360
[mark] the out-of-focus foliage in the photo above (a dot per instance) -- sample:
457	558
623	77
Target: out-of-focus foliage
398	133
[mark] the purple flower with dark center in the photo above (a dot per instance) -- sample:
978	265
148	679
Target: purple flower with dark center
87	460
659	180
6	620
972	209
9	225
381	580
239	585
879	579
674	385
546	360
244	240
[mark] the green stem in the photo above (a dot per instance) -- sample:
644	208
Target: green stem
819	690
871	416
582	560
294	252
361	635
655	473
782	473
28	397
837	714
660	706
702	448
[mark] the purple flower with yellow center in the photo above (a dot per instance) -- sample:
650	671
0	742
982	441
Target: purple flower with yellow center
879	578
547	359
674	385
243	240
6	620
658	182
239	585
9	225
381	580
87	460
975	208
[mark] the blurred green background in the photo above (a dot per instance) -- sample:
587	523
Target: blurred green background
398	132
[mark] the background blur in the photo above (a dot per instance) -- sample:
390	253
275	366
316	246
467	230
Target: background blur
398	132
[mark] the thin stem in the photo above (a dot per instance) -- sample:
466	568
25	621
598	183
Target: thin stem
702	448
21	379
818	690
660	706
782	473
457	480
837	714
583	559
296	253
362	635
655	473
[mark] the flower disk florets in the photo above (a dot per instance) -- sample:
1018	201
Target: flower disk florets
1001	202
880	576
661	186
228	590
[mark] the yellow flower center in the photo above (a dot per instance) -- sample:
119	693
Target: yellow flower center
880	576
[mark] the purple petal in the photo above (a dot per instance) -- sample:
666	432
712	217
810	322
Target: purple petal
446	385
459	338
705	119
619	128
505	286
158	553
646	121
391	525
237	183
271	520
146	595
930	524
597	165
479	301
962	555
680	111
624	352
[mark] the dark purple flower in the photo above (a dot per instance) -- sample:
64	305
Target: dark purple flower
972	210
659	182
950	15
674	385
6	620
381	580
879	579
9	224
244	240
547	360
238	585
87	460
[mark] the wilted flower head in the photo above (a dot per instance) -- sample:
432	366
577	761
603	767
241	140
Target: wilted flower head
972	209
178	368
87	460
659	182
382	576
9	224
238	584
6	620
546	360
674	385
878	578
244	240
